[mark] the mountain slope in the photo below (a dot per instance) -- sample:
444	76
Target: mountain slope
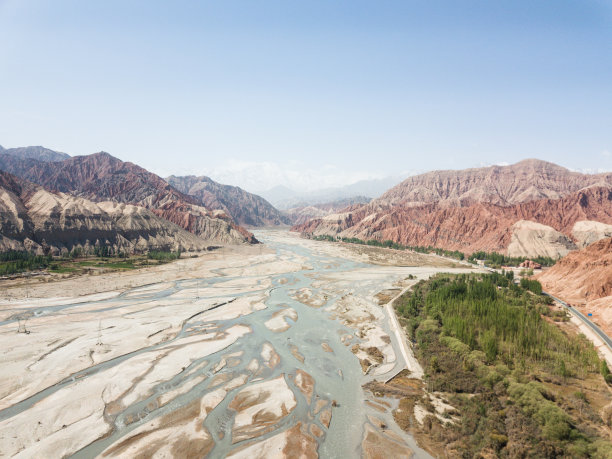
582	275
39	153
584	278
480	226
101	177
244	207
528	180
479	209
35	219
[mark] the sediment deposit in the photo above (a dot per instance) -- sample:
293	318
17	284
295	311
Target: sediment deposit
237	352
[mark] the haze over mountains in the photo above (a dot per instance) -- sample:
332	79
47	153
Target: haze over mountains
285	198
529	208
305	212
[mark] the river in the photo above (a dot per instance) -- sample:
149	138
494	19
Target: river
283	329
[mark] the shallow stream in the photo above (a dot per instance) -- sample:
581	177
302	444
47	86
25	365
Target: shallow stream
337	374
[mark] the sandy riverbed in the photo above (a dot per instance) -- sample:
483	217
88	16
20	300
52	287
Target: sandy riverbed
239	352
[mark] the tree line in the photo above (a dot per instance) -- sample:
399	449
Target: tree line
492	259
389	244
17	261
496	260
13	261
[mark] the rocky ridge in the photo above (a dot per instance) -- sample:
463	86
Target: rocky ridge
528	180
243	207
38	152
35	219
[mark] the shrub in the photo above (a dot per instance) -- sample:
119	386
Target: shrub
531	285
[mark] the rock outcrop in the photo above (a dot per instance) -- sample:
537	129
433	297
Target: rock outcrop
245	208
531	239
102	177
530	264
587	232
35	219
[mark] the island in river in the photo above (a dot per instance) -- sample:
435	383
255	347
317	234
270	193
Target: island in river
244	352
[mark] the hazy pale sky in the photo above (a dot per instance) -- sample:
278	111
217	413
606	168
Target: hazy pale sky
283	89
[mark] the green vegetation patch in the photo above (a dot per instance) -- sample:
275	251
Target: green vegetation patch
60	268
484	343
12	262
497	260
120	265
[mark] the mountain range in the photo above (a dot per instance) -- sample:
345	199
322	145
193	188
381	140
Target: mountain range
526	209
285	198
102	177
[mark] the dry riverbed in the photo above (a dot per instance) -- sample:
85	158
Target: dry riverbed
243	352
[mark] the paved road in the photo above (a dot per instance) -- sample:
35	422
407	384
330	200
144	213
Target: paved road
411	362
584	319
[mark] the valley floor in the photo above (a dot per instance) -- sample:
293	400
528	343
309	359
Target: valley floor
243	352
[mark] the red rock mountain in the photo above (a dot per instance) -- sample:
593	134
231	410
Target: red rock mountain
35	219
244	207
101	177
528	180
494	208
583	275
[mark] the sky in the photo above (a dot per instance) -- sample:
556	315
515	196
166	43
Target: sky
310	94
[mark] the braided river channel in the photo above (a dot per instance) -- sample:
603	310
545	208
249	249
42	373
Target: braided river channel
261	352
